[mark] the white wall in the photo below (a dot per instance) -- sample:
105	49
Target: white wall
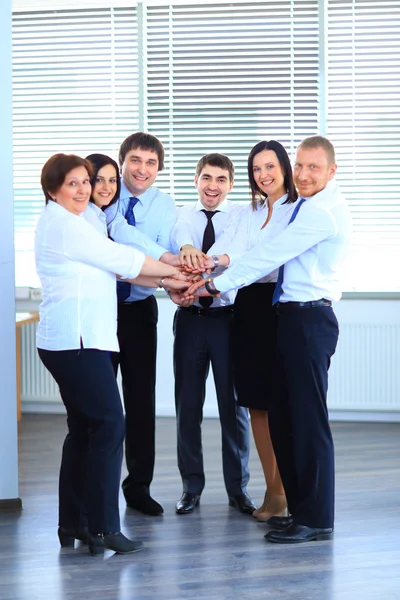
8	414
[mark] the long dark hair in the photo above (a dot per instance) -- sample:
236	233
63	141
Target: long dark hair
258	195
99	161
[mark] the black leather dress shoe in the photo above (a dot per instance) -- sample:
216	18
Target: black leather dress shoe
145	504
280	522
112	541
243	502
297	534
187	503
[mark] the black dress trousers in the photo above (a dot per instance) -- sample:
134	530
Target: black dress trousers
299	423
199	342
92	453
137	336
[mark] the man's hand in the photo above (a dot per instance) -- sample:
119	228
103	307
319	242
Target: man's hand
170	259
180	300
198	289
192	257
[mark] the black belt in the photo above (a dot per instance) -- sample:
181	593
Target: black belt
310	304
220	311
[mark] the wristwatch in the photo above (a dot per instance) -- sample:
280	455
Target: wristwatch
215	260
210	287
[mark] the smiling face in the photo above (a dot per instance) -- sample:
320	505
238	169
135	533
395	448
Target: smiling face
312	170
213	185
268	174
105	186
74	193
139	170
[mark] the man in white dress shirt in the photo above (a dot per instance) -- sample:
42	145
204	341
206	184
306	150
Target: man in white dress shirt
143	218
312	249
203	336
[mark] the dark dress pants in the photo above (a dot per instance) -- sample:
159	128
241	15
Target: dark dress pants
137	336
299	424
199	341
92	453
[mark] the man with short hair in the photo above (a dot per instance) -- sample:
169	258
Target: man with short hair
310	252
203	336
144	218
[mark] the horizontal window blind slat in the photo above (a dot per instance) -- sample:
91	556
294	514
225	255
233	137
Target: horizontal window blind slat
75	90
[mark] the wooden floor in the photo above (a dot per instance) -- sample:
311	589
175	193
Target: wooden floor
215	553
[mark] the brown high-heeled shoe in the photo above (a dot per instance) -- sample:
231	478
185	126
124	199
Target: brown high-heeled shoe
263	506
276	507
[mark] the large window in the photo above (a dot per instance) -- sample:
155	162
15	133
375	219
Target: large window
363	121
220	76
75	89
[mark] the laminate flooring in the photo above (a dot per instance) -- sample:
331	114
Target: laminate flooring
216	553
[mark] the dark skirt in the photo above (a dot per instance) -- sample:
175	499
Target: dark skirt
254	345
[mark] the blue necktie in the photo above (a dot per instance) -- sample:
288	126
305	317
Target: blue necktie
123	287
278	287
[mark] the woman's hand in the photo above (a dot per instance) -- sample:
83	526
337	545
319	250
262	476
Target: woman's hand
192	257
173	284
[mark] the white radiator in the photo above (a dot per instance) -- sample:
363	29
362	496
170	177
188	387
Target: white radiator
38	388
365	371
364	379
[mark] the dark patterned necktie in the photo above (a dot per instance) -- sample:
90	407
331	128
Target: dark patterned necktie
123	287
278	288
208	241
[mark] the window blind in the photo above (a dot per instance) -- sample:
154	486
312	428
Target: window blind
223	76
75	90
363	122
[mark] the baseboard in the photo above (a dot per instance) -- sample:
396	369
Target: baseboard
365	416
11	504
56	407
49	407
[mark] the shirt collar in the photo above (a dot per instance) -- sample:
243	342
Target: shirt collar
281	200
125	194
97	210
223	207
57	208
329	196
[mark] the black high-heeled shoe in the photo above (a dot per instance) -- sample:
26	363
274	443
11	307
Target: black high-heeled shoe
67	536
112	541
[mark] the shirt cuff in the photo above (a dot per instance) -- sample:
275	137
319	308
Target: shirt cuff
223	283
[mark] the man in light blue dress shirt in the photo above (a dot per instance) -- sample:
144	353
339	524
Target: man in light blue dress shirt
143	218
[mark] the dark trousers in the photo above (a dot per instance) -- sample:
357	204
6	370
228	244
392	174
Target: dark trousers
137	336
199	341
92	453
299	424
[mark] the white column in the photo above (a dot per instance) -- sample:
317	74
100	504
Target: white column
8	409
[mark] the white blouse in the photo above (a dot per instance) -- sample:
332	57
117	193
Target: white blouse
248	230
77	264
